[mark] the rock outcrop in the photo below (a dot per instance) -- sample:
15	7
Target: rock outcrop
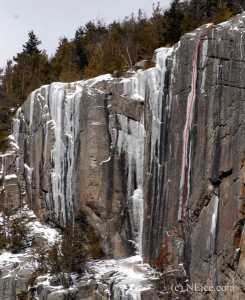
110	152
10	195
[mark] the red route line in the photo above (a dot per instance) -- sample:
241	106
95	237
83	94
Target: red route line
185	148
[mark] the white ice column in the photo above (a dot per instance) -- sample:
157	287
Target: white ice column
64	109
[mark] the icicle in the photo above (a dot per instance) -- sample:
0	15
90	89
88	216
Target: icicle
131	140
48	202
214	216
32	99
46	124
16	126
241	45
130	137
204	61
1	165
138	210
156	78
56	97
64	111
29	172
217	75
212	233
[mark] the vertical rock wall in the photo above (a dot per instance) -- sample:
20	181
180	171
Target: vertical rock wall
210	243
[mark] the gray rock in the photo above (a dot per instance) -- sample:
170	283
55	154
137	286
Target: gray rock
23	276
141	64
86	291
7	288
63	295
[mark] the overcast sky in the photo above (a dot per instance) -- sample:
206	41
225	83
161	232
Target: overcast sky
52	19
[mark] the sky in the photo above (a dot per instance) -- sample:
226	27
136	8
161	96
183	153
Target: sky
52	19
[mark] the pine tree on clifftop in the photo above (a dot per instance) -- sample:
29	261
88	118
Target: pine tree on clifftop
29	68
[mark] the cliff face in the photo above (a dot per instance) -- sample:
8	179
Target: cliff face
80	151
121	153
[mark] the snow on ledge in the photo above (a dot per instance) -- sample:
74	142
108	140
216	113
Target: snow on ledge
10	176
93	81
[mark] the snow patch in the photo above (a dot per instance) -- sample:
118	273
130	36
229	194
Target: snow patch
92	82
130	276
11	176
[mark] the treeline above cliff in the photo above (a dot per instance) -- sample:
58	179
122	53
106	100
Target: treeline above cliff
98	48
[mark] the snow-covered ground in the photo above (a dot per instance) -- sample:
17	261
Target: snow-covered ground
51	235
125	277
121	278
37	229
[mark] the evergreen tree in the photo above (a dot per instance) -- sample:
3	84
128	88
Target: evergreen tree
112	61
30	47
28	70
222	13
73	252
63	66
173	18
95	41
7	78
158	26
8	104
195	15
81	55
236	6
211	8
